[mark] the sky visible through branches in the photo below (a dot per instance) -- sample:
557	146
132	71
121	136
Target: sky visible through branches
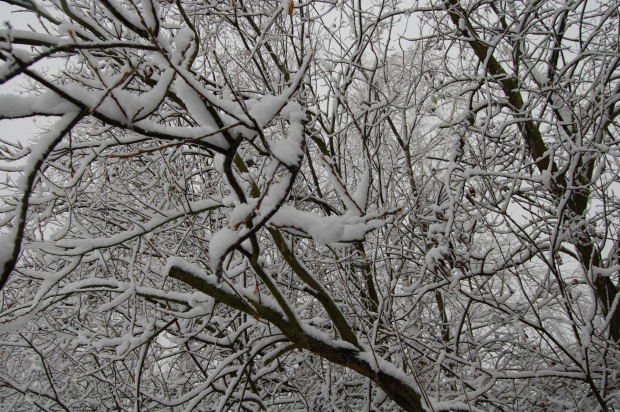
326	205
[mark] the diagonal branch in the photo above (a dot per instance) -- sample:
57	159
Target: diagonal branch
576	200
395	384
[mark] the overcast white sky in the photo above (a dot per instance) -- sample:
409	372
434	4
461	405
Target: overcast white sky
19	129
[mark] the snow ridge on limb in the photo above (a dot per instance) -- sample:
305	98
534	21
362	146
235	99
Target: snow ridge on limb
213	140
396	384
288	152
37	157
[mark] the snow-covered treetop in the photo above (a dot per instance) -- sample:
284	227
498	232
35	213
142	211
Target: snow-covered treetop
320	205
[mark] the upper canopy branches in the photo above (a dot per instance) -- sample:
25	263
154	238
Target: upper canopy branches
276	205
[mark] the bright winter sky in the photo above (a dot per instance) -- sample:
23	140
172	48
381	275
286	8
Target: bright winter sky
20	129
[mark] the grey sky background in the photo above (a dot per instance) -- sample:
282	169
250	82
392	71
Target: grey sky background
16	129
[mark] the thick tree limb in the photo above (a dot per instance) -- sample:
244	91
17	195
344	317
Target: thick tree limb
394	384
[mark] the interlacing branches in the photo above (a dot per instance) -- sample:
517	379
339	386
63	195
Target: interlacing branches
320	205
